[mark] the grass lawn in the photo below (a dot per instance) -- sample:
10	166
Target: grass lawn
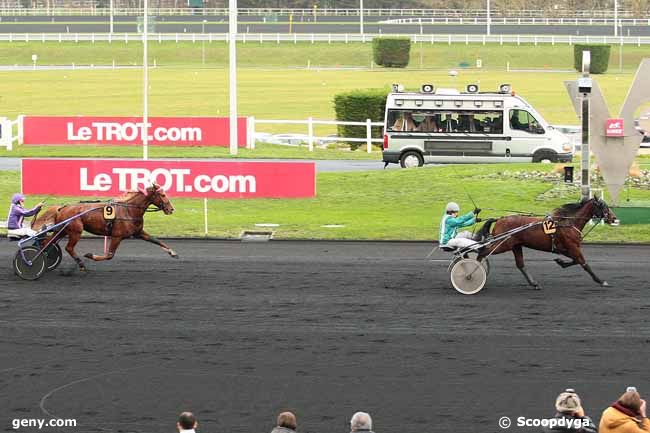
263	93
438	55
393	204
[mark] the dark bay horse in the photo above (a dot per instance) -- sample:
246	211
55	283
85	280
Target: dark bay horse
124	220
569	220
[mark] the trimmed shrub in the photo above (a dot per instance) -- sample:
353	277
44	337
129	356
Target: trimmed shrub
391	52
357	106
599	57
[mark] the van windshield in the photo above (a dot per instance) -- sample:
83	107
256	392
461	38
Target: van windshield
465	122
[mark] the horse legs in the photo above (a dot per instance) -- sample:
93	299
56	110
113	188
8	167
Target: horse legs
576	254
147	237
115	242
73	238
519	260
565	263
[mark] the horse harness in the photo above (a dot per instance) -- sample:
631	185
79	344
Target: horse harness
110	213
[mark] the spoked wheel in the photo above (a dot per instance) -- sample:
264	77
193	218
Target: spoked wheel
468	276
32	267
54	256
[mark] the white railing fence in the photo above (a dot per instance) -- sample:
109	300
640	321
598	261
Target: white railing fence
188	11
322	37
311	137
12	131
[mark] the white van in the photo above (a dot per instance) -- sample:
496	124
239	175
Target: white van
446	125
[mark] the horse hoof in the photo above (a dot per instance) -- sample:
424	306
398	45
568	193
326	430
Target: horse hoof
82	269
173	254
537	287
88	256
604	284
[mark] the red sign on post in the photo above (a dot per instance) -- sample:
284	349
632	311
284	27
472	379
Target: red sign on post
614	128
109	178
128	131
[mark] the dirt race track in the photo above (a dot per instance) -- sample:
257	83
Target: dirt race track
239	331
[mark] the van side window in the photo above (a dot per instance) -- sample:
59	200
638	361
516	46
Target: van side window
522	120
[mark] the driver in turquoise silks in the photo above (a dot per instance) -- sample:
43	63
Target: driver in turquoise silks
451	222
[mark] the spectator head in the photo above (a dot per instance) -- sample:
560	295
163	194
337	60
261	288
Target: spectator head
631	400
186	421
287	420
361	421
568	403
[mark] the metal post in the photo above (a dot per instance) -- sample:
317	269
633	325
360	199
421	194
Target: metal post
585	84
488	18
145	90
361	16
615	17
232	38
110	30
205	217
203	42
310	133
369	135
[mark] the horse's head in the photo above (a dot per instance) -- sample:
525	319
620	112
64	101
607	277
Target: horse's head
602	211
157	197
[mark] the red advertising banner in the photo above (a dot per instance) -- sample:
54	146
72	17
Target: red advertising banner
128	131
614	128
109	178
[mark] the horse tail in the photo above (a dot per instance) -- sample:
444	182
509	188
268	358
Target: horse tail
485	231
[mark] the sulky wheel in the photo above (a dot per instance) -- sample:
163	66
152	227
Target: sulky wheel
24	269
468	276
485	262
53	255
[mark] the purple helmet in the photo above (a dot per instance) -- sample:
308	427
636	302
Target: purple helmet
18	197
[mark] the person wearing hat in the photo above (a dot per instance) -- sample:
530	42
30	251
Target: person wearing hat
450	224
17	214
627	415
570	416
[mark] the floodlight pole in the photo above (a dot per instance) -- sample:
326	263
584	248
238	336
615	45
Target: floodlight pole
584	150
488	19
616	18
145	90
361	16
232	76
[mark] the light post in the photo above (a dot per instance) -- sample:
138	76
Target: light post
232	76
584	87
488	19
203	42
110	29
145	90
361	16
616	18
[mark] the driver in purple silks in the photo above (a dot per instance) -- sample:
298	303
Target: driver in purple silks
17	214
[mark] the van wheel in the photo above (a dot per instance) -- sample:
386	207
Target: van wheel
411	159
545	156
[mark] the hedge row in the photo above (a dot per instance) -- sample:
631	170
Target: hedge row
391	52
357	106
599	57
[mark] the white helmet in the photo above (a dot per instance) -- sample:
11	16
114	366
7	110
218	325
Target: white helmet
453	207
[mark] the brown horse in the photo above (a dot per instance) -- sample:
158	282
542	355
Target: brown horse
124	220
568	220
